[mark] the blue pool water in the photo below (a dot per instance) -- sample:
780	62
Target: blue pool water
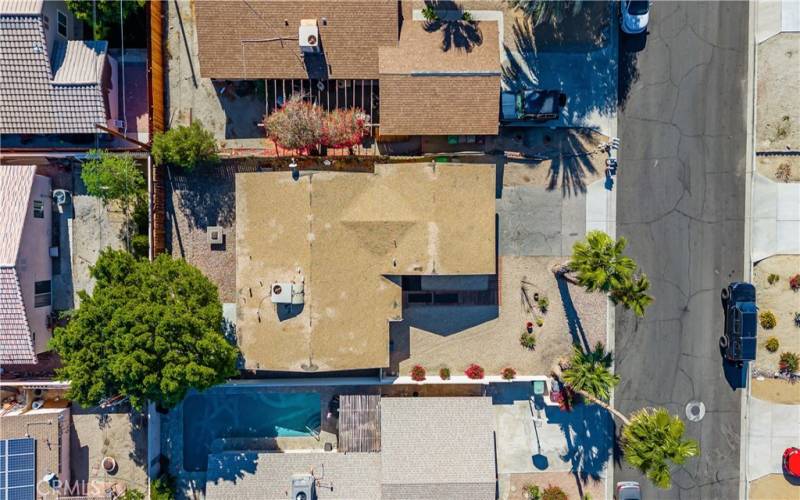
243	413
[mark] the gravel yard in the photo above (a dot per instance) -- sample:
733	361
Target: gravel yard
783	302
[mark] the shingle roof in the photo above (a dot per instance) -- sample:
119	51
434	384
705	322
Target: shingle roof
267	476
16	346
30	101
449	454
240	39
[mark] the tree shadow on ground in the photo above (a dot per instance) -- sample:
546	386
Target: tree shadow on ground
573	319
231	466
456	32
629	48
571	166
206	195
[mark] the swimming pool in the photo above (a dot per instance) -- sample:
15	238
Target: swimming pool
227	412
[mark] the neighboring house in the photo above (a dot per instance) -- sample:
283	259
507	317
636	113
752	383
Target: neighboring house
34	452
411	77
25	264
322	261
437	447
52	84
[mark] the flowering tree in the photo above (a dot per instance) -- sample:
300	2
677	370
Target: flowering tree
344	128
296	125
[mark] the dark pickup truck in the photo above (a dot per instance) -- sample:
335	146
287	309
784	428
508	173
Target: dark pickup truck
738	342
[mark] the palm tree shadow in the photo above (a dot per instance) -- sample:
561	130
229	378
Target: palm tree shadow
571	167
573	319
456	32
521	73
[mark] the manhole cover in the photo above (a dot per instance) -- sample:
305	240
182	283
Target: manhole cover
695	411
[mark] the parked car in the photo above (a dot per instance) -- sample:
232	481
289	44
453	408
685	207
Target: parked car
738	341
628	490
634	15
531	104
791	462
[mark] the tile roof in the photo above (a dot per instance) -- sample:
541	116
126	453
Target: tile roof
16	346
343	234
352	476
21	6
451	456
30	101
16	182
240	39
78	61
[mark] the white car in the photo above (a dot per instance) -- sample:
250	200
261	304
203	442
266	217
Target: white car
634	15
628	490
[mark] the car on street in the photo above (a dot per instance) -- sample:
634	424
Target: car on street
738	341
791	462
634	15
628	490
532	105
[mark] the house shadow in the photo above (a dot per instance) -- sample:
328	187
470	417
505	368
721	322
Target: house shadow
456	32
244	103
231	466
574	324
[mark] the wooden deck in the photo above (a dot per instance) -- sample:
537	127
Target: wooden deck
359	423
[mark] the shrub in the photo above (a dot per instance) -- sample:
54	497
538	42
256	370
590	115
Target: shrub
131	494
794	282
788	362
429	13
539	321
773	278
784	172
185	147
296	125
767	320
474	371
554	493
565	398
113	177
772	344
344	128
466	16
532	491
543	304
527	340
140	246
508	373
163	488
797	319
444	373
417	373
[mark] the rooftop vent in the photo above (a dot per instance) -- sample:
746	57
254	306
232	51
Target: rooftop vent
309	35
215	235
303	487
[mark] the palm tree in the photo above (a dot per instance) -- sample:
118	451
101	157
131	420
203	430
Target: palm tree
653	440
588	372
633	295
540	11
600	263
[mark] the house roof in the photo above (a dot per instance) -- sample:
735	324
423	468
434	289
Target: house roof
31	100
442	79
30	7
256	476
16	182
451	456
345	235
16	345
258	39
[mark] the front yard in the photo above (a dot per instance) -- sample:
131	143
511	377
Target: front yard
779	299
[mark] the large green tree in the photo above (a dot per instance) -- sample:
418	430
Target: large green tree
149	331
102	14
185	146
653	440
113	177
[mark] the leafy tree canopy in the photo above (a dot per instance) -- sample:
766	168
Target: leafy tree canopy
297	125
653	441
113	177
150	331
185	147
104	13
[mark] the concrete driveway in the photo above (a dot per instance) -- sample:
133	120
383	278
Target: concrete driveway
773	428
776	217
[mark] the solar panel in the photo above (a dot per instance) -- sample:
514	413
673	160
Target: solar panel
17	469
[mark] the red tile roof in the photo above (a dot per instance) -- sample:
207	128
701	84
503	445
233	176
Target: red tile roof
16	346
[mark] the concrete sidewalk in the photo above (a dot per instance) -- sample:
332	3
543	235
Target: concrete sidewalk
776	218
776	16
773	428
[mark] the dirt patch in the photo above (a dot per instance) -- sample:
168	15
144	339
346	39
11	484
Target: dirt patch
773	487
779	168
564	480
573	316
778	81
776	391
783	302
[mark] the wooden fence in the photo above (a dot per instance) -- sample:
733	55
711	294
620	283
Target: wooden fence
155	77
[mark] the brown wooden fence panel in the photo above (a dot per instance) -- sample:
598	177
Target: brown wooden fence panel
155	74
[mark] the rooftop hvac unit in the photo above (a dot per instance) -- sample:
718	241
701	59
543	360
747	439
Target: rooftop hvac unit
288	293
215	235
303	487
309	35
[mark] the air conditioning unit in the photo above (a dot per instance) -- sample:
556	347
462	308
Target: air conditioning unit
303	487
309	35
60	196
215	235
281	293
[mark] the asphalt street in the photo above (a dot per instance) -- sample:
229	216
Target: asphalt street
681	205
